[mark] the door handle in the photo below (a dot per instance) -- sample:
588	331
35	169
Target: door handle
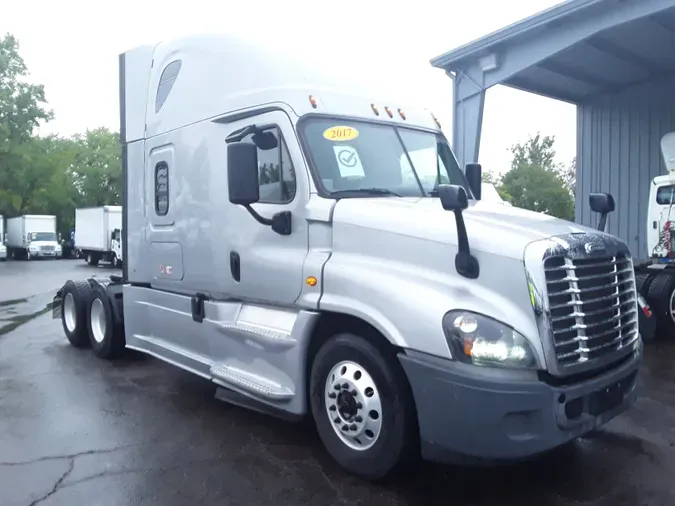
235	266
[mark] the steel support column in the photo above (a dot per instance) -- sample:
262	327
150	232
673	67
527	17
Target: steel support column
469	101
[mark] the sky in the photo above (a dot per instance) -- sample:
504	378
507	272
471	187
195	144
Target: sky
72	48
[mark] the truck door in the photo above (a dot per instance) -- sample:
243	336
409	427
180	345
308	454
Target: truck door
264	265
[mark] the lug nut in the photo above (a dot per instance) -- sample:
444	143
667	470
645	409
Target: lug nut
345	427
336	419
332	408
353	392
358	419
352	426
345	386
332	395
359	405
337	387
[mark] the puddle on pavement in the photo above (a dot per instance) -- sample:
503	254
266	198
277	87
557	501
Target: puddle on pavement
12	317
12	302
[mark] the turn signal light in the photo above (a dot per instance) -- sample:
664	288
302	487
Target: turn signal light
312	101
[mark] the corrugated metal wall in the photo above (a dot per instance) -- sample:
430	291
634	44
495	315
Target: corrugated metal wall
618	151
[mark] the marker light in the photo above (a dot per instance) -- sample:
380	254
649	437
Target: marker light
311	281
375	109
386	108
401	113
312	101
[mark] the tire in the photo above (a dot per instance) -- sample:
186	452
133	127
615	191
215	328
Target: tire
661	298
92	259
28	256
643	281
397	444
105	334
74	316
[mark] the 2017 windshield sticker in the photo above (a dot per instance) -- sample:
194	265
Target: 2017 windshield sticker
340	133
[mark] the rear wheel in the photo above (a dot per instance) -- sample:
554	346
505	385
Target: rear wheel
661	298
74	300
92	259
363	407
106	335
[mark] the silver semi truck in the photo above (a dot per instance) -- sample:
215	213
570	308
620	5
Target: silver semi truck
317	253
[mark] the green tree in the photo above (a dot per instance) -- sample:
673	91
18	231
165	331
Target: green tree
97	168
22	108
535	182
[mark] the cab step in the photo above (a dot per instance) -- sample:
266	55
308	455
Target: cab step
251	383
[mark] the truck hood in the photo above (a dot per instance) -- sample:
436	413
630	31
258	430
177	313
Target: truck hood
492	228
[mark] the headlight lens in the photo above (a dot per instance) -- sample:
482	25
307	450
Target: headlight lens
480	340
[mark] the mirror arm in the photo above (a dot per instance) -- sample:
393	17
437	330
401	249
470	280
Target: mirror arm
603	222
465	263
280	222
260	219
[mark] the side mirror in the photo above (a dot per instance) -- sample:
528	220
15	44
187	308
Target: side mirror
474	175
242	173
453	197
602	203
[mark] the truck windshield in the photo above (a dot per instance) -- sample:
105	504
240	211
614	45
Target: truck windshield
358	158
43	236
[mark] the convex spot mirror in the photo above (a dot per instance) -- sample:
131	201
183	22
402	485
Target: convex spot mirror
453	197
601	202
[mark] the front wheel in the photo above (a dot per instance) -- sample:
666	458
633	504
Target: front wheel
661	297
362	407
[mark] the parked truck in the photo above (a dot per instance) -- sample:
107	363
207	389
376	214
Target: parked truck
33	236
283	241
655	275
98	234
3	239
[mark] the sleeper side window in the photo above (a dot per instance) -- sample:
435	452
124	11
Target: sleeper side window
162	189
664	195
276	173
166	82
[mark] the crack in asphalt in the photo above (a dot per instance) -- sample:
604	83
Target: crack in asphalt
72	456
57	485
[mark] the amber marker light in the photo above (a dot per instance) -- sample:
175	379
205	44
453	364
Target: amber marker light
311	281
375	109
386	108
401	113
312	100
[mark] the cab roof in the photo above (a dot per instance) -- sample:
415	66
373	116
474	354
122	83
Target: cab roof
209	76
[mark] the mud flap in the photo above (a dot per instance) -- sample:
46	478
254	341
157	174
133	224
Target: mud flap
56	305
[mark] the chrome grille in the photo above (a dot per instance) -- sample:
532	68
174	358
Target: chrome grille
46	248
593	307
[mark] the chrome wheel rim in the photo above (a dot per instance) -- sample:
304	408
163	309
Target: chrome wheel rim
98	320
353	405
671	305
69	312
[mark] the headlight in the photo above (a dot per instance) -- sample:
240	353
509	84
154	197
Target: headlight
33	248
479	340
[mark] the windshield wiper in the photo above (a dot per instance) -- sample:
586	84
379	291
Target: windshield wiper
364	191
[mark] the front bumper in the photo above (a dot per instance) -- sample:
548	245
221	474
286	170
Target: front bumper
45	254
468	412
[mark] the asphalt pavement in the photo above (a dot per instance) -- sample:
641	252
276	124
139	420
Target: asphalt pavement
78	430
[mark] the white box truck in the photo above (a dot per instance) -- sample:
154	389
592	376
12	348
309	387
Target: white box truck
285	240
3	247
33	236
98	234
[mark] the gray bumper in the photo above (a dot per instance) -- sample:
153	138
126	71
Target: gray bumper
467	412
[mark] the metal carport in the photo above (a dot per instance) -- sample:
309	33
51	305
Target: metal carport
614	59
